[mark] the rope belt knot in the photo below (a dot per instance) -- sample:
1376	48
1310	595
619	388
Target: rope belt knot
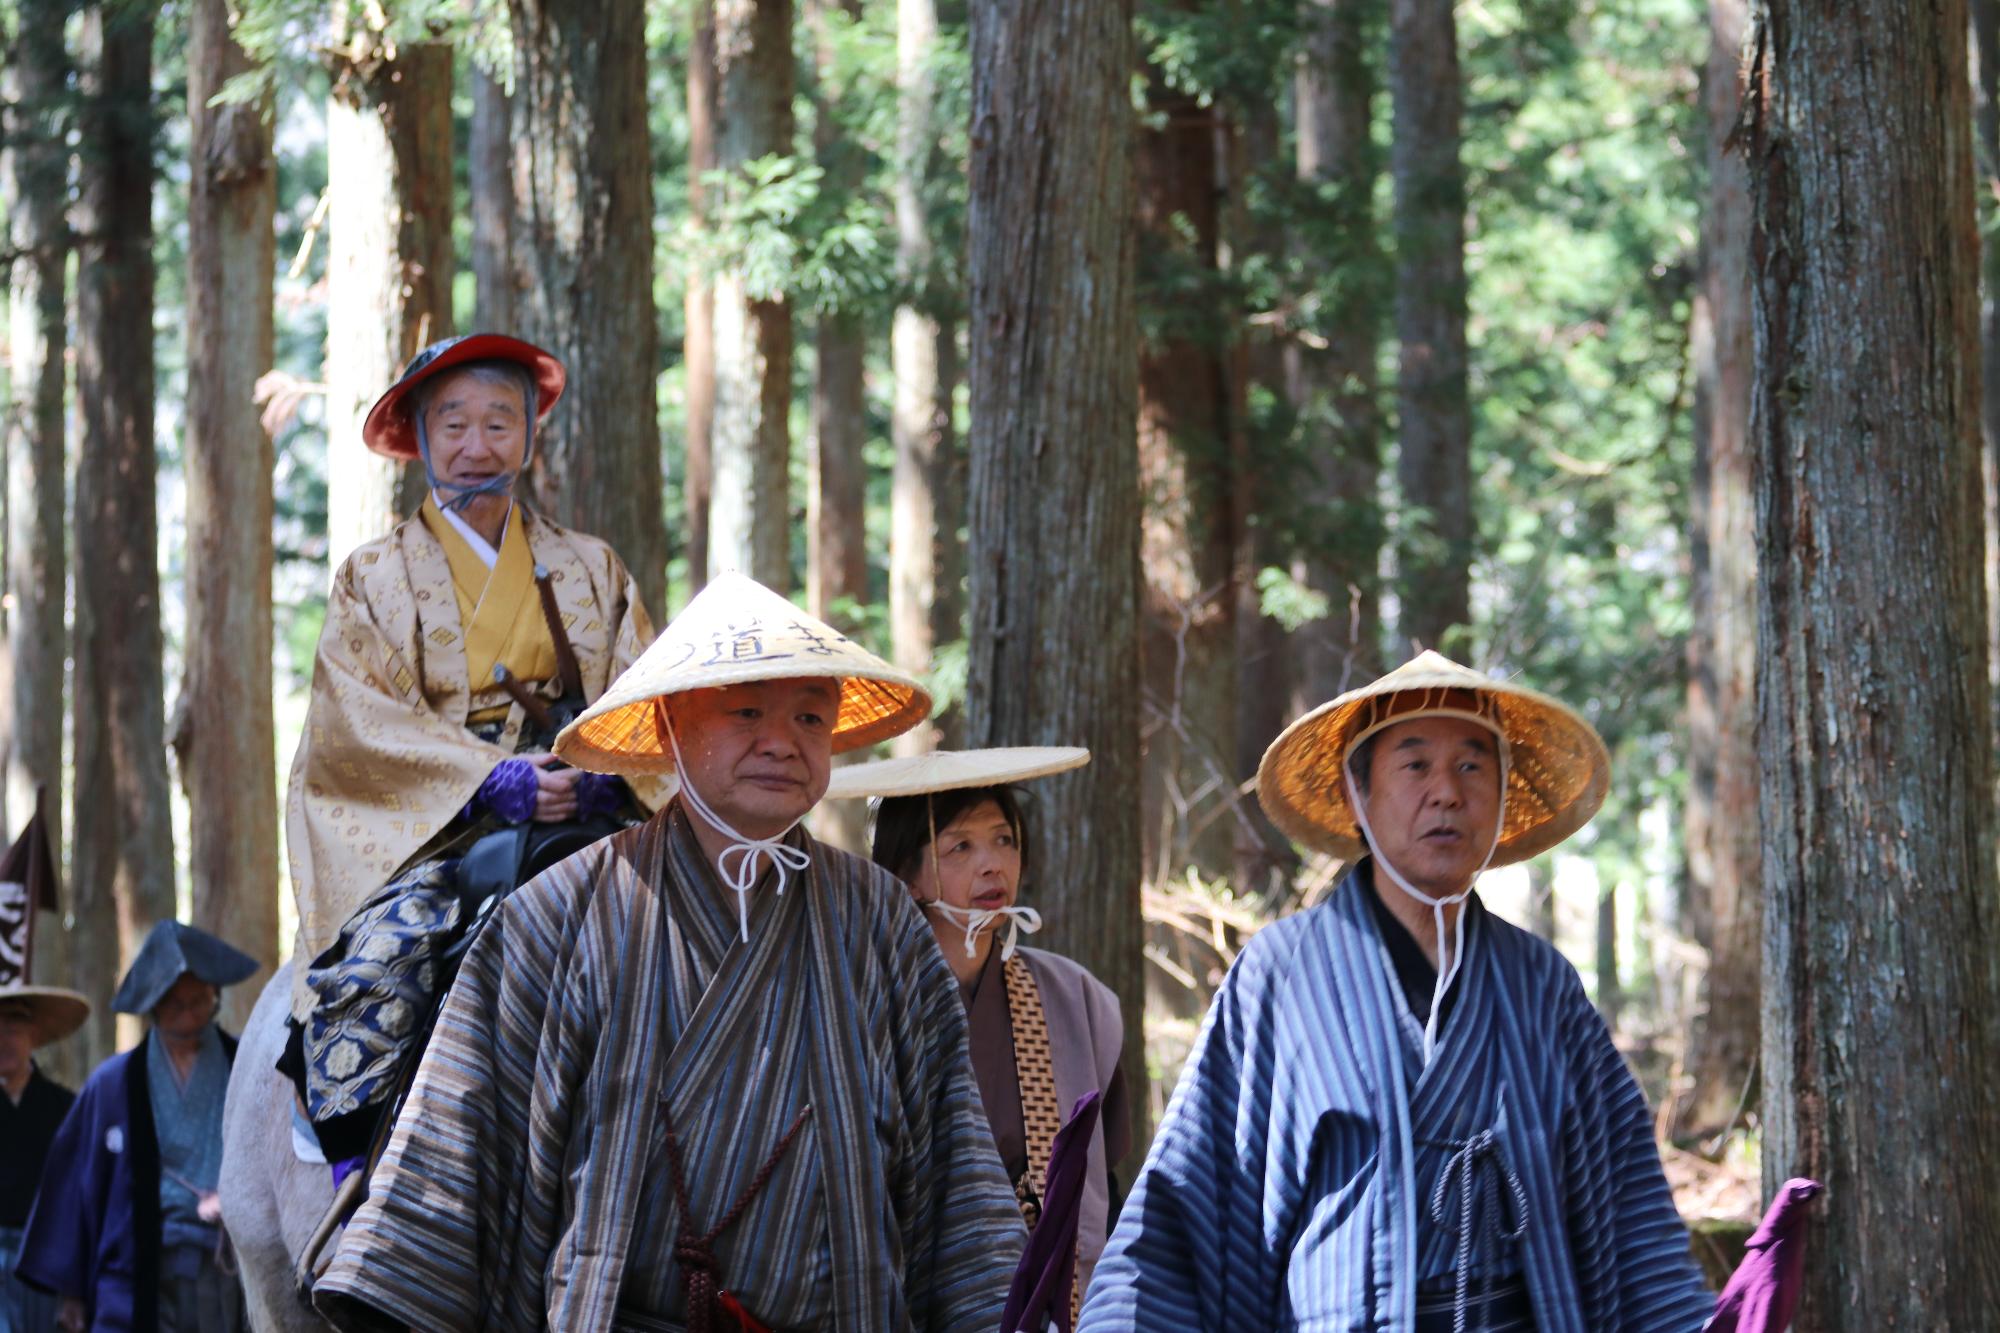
1484	1218
701	1271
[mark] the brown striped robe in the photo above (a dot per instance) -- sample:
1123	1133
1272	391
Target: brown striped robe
520	1189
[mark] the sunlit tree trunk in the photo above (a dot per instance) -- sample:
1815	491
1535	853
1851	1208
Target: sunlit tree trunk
1724	856
388	267
1435	419
225	731
698	303
490	167
33	175
749	511
1882	917
1333	389
123	865
1054	488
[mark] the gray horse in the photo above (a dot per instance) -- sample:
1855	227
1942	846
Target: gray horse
271	1201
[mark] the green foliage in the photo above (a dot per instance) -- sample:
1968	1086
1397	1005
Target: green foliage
277	33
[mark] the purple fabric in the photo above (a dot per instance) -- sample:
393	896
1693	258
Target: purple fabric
344	1168
510	790
1764	1290
1041	1286
599	794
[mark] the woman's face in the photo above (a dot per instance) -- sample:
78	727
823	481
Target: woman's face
978	862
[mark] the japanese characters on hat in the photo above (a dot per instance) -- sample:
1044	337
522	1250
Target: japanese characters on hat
391	430
948	770
171	948
1558	770
735	631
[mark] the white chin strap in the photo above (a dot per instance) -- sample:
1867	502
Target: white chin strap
978	922
738	863
1448	962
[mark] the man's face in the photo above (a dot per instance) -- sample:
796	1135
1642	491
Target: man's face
476	429
17	1042
1433	796
758	753
185	1010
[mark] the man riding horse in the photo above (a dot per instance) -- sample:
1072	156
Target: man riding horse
454	649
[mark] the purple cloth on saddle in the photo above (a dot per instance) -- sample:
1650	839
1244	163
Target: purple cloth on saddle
509	791
599	794
1048	1266
1764	1290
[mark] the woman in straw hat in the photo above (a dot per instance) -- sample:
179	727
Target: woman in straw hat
707	1074
1044	1032
126	1228
34	1106
1403	1113
453	651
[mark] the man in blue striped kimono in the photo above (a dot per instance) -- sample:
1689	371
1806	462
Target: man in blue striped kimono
1403	1113
708	1074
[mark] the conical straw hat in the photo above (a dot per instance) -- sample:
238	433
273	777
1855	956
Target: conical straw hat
948	770
736	631
54	1011
1557	774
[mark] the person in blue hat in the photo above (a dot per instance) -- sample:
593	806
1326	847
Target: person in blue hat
126	1229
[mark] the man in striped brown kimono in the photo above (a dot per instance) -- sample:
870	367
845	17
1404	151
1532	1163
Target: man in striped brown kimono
707	1074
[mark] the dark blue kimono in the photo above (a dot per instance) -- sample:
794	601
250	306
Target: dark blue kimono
1311	1172
95	1231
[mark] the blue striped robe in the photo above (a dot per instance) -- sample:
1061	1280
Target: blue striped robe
1284	1189
518	1189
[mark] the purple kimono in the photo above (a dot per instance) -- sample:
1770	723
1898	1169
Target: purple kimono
95	1232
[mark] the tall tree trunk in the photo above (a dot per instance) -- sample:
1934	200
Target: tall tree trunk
1434	417
1187	524
123	865
1334	390
1882	916
34	167
698	304
1610	993
1724	851
225	735
1986	162
1054	488
584	246
1542	899
749	512
389	264
925	507
490	166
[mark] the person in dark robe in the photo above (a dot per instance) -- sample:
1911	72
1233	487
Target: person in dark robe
126	1229
1043	1031
30	1113
1403	1113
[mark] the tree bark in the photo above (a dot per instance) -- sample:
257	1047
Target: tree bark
1724	855
584	245
389	265
1882	916
1986	162
1610	992
1335	390
1188	535
926	504
1542	899
1434	461
123	865
490	167
225	735
1054	493
33	173
749	514
698	304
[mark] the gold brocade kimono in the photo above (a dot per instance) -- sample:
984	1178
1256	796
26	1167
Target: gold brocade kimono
387	760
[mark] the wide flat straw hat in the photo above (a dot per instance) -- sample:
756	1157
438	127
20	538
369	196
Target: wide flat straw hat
55	1012
949	770
737	631
1557	772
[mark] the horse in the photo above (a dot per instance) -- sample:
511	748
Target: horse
272	1203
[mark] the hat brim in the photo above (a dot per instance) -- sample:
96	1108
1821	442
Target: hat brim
56	1012
1558	770
950	770
391	430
